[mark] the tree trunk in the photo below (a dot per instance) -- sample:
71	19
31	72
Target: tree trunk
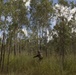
9	48
2	53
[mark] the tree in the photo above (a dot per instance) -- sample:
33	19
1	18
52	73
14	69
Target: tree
12	20
41	12
63	32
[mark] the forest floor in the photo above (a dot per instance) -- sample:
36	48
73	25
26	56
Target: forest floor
27	65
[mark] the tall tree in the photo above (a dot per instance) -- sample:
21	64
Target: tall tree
41	12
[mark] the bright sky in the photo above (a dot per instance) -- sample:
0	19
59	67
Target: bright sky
55	1
62	9
25	31
65	11
54	22
27	3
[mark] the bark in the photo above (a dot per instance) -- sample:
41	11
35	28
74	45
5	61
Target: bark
9	48
2	53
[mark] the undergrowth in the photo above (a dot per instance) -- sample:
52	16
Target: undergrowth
27	65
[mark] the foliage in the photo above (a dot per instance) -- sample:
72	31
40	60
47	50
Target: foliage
56	42
27	65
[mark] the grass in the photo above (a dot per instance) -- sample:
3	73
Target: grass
27	65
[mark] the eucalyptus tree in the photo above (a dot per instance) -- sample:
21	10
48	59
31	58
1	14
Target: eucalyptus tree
73	26
3	26
41	12
62	29
73	35
14	19
19	18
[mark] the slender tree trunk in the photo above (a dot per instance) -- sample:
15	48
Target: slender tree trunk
63	46
14	50
63	57
14	44
3	59
19	47
2	52
9	48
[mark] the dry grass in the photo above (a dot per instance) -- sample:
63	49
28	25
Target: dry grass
26	65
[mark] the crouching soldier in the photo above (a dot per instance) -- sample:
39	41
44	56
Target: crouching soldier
39	55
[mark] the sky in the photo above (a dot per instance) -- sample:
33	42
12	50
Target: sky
27	4
55	1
